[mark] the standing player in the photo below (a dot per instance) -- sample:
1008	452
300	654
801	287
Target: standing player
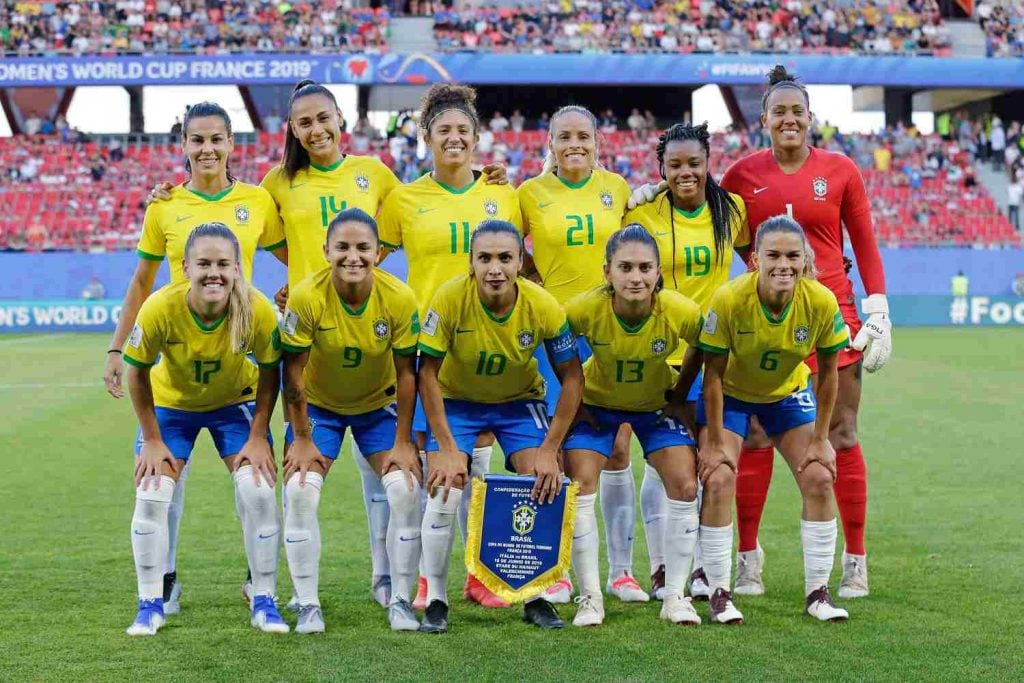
433	219
201	329
697	225
349	334
570	211
823	191
210	194
759	329
479	375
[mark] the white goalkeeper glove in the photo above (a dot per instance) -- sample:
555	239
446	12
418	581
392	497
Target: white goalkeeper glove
645	194
875	337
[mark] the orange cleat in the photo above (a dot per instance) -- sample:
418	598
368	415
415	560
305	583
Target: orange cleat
474	591
421	595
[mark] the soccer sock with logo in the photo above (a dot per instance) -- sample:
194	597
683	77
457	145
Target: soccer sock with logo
149	535
654	510
403	532
618	508
174	515
752	482
261	529
302	536
479	465
851	490
819	543
680	539
716	555
377	513
437	541
585	546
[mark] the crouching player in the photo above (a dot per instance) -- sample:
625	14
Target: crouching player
759	329
479	375
349	336
201	330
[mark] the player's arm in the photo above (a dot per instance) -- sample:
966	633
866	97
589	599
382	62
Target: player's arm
713	452
404	455
139	288
448	467
257	451
303	452
826	388
565	361
154	456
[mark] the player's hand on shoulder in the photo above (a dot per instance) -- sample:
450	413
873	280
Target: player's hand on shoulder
281	298
495	174
160	192
645	194
875	337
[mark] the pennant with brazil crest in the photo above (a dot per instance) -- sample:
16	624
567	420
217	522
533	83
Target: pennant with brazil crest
515	546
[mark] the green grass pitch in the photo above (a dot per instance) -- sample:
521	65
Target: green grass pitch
941	427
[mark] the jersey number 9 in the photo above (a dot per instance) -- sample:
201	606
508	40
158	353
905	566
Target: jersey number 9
352	356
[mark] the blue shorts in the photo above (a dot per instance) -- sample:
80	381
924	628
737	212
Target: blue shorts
776	418
373	431
229	427
652	429
553	388
517	425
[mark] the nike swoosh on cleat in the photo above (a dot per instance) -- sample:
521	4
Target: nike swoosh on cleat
443	526
148	533
266	537
292	540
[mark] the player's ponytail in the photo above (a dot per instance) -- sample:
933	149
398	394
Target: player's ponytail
296	158
634	232
550	164
784	224
239	315
202	110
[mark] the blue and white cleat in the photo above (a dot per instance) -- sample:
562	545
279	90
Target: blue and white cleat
265	616
149	619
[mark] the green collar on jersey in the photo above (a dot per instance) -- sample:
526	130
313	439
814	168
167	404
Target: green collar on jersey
454	190
782	316
499	319
574	186
203	326
328	169
354	311
213	197
690	214
632	329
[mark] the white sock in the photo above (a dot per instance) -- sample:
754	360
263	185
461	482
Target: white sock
174	515
654	511
149	536
479	465
585	546
403	532
437	542
377	513
680	539
618	508
716	551
423	503
302	536
261	529
819	542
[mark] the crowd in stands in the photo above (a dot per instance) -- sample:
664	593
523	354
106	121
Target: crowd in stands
1003	24
48	27
685	26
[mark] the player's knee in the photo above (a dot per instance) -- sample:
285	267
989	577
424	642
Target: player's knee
680	488
843	432
302	500
619	459
401	499
721	485
816	483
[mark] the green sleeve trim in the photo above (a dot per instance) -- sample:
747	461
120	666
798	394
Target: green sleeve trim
294	349
137	363
434	353
275	246
149	257
389	245
275	364
404	351
834	349
712	349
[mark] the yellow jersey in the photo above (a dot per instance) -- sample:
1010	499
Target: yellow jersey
246	209
308	202
434	222
627	370
490	359
766	353
570	223
351	369
198	370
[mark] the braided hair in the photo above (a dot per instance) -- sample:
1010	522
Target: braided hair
779	78
724	211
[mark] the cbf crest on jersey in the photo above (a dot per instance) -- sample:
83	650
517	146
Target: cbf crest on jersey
525	339
607	201
381	328
491	207
800	334
241	213
363	183
659	346
820	186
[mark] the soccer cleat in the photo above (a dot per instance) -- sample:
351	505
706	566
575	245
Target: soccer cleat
265	616
149	618
699	588
658	583
420	602
855	576
678	609
435	619
560	592
542	613
382	590
247	589
722	609
311	619
626	588
749	566
474	591
820	606
589	611
401	617
293	603
172	593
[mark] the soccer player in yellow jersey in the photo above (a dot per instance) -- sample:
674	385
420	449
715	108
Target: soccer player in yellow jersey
433	219
757	332
197	333
349	335
698	225
210	194
479	374
632	325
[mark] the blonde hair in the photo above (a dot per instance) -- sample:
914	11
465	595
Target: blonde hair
784	224
549	158
239	315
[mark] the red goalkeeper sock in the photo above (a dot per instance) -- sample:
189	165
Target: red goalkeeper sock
752	481
851	490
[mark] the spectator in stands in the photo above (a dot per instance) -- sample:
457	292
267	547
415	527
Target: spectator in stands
29	169
544	122
94	290
609	122
498	124
636	122
114	149
998	144
1014	194
517	121
176	127
33	124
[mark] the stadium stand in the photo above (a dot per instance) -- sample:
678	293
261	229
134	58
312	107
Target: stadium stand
1003	25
